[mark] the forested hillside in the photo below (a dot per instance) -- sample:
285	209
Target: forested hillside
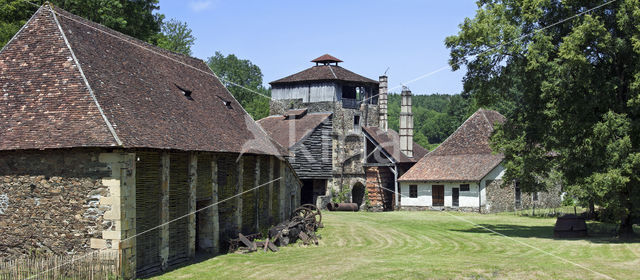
435	116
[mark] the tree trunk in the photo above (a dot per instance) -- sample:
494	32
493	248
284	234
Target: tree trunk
626	227
592	210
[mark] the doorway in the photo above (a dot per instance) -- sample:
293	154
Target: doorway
455	197
437	195
357	194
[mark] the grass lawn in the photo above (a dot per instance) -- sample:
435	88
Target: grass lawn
422	245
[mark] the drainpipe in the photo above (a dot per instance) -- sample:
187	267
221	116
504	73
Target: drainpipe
480	196
395	182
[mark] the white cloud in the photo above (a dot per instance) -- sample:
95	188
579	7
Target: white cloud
200	5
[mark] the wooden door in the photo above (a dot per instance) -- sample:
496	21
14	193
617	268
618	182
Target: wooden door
455	197
437	195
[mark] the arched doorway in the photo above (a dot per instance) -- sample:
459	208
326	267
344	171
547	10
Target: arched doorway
357	194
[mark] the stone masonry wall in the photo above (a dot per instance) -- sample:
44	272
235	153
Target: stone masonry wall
50	202
502	198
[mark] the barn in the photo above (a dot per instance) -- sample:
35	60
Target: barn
108	143
465	174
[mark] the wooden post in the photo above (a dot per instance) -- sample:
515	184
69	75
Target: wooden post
256	193
282	193
193	185
214	207
270	198
164	212
239	190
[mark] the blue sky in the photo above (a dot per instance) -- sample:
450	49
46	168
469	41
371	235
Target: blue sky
281	37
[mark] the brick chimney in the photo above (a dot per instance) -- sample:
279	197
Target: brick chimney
382	103
406	123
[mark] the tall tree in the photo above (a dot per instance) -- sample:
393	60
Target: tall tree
571	92
244	81
175	36
132	17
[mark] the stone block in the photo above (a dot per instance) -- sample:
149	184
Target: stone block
111	234
97	243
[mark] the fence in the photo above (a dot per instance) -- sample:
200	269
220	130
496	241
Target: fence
94	266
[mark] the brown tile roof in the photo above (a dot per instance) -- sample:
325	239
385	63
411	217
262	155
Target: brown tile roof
289	131
137	92
326	58
389	141
324	73
464	156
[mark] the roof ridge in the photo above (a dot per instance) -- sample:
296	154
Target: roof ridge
334	73
84	78
20	30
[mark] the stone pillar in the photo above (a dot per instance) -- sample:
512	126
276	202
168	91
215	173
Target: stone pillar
213	211
282	196
382	103
164	211
193	186
270	191
122	212
256	193
406	124
239	190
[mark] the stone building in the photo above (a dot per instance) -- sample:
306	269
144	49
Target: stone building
351	100
110	143
464	174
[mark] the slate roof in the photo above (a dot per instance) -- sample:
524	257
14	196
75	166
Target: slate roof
289	131
463	156
389	141
324	73
68	82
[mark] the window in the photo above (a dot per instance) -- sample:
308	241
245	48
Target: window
535	196
413	191
356	123
464	187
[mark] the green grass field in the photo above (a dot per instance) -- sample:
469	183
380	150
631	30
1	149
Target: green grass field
426	245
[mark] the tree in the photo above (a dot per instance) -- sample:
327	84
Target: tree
132	17
175	36
571	92
244	81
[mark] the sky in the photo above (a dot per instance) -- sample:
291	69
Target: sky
282	37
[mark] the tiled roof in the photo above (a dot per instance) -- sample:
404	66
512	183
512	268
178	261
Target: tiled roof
389	141
327	58
133	96
464	156
324	73
289	131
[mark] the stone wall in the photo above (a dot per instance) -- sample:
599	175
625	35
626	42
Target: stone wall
503	198
51	202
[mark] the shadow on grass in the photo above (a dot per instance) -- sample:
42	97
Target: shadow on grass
522	231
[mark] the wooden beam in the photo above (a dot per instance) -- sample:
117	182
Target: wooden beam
270	195
214	206
239	190
191	203
256	193
164	211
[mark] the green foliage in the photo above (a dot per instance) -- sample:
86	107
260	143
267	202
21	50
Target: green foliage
341	196
243	79
175	36
435	116
571	94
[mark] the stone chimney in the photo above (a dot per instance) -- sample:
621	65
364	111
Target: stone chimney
382	103
406	123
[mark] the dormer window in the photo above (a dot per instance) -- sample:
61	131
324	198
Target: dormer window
225	102
185	92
